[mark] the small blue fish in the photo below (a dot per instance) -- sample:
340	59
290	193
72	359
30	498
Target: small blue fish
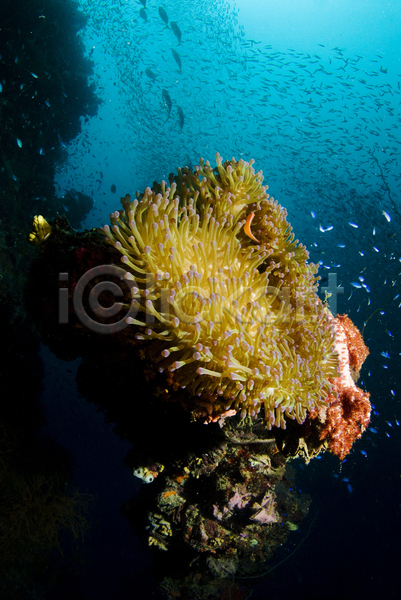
389	424
356	285
177	59
313	214
388	435
350	488
397	423
180	114
150	74
340	245
372	429
385	214
346	479
33	75
353	225
385	354
364	452
163	16
375	248
176	30
392	392
19	143
167	102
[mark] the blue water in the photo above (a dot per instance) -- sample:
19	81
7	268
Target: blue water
311	90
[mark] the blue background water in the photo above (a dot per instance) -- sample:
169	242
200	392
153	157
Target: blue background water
310	90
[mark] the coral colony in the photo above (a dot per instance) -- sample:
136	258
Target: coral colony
221	303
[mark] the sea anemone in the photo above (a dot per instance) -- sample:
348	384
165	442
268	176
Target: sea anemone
225	296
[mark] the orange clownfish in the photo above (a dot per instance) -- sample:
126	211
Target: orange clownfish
247	227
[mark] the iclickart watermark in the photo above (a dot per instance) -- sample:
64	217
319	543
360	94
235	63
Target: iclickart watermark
174	304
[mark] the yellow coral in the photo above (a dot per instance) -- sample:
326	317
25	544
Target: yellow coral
41	230
235	321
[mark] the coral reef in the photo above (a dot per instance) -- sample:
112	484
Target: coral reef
218	300
348	411
224	512
44	93
234	326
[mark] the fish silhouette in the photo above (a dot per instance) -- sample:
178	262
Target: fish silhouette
150	74
163	16
176	30
167	102
176	58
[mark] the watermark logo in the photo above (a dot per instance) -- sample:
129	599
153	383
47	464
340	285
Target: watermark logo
97	309
128	297
331	292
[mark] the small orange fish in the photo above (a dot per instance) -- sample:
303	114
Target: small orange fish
247	227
